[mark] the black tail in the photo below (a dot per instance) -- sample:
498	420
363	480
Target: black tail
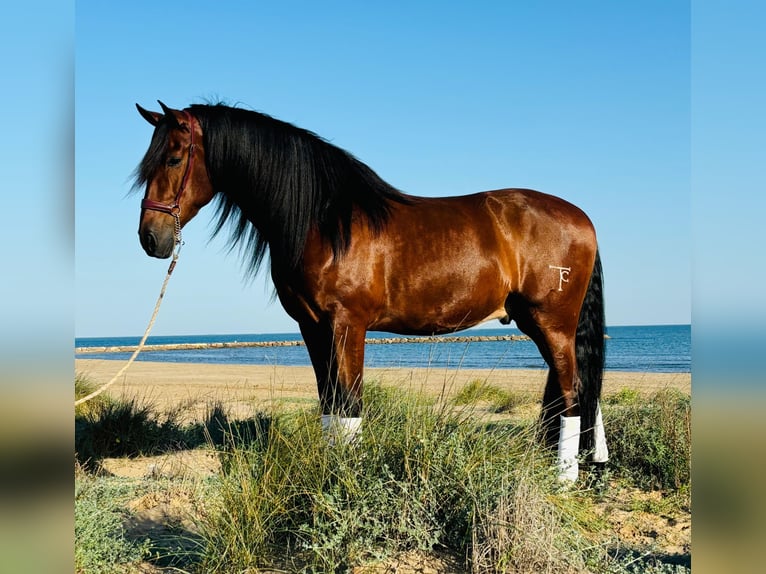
589	348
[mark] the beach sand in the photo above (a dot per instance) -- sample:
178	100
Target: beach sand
240	388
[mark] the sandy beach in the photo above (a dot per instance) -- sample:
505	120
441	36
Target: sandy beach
195	386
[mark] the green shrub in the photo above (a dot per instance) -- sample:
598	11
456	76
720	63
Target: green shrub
478	390
502	401
650	440
624	397
100	543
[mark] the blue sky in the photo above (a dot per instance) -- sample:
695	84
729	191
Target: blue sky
589	101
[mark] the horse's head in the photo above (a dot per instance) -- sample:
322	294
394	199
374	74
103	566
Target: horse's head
174	173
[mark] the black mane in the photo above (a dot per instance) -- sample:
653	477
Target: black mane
274	182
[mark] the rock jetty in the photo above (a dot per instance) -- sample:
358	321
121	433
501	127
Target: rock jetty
297	343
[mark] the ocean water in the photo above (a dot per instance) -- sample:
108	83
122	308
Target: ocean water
659	349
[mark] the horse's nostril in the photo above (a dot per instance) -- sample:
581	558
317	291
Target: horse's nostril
149	242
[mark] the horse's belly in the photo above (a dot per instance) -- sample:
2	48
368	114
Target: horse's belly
424	315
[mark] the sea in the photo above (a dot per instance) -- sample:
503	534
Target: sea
651	349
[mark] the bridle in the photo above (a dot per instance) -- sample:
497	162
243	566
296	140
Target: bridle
174	208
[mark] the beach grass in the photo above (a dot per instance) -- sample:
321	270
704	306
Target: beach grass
420	477
499	400
427	475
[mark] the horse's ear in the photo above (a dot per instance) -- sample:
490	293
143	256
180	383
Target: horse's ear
151	117
170	115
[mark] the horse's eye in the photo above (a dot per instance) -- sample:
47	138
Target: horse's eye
174	161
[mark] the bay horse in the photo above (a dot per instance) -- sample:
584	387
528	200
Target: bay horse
350	253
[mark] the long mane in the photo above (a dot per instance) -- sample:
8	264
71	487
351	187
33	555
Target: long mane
273	182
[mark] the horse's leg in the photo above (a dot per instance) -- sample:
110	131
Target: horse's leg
337	355
342	413
564	362
553	401
560	416
317	337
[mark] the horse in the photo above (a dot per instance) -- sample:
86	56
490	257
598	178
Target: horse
349	253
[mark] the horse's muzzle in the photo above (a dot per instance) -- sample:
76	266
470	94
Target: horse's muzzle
156	246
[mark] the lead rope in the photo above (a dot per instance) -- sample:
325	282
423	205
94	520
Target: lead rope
176	251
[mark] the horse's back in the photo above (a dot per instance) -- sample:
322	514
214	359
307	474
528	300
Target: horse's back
505	222
521	209
509	207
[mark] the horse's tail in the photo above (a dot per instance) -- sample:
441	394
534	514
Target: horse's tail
589	348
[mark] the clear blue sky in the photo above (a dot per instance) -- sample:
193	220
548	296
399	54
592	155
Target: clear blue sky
588	100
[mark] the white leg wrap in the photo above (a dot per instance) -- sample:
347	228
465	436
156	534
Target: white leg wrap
340	429
569	442
601	452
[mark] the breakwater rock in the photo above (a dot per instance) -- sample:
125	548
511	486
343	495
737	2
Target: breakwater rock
244	344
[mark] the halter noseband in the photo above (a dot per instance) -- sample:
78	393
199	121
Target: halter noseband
174	208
